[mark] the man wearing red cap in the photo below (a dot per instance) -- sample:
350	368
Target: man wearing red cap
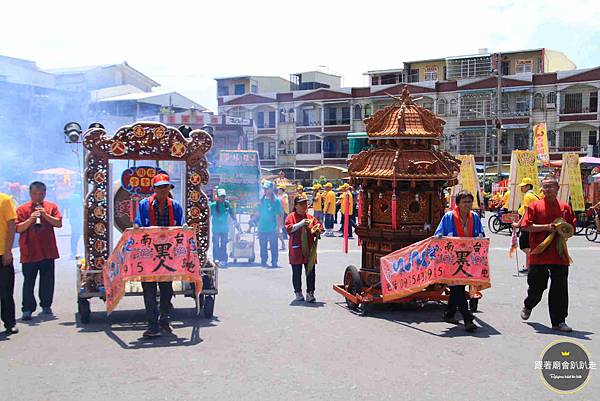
159	210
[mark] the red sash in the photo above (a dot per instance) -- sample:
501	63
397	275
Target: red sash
457	223
153	216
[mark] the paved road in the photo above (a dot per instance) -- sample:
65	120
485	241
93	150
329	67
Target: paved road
260	346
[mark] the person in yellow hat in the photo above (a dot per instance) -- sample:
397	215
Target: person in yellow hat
329	209
346	197
300	192
529	197
317	202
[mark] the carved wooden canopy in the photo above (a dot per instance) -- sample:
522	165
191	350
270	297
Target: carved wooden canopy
404	119
142	141
390	163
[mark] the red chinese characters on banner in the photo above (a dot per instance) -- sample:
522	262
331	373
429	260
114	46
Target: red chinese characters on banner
152	254
446	260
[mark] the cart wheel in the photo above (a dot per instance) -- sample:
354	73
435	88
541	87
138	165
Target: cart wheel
353	285
473	304
208	306
591	233
494	224
83	307
579	229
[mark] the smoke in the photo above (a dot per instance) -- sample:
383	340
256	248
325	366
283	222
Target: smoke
31	127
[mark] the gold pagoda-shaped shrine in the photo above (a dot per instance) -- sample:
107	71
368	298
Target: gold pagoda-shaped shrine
400	178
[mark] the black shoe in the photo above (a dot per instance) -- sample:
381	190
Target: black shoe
151	332
166	327
450	319
11	330
523	271
470	326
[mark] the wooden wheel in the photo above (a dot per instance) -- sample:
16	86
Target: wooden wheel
353	285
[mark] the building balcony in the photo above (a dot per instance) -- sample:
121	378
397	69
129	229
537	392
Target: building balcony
508	113
579	110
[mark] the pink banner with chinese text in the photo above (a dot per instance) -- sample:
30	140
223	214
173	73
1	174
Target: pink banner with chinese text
152	254
445	260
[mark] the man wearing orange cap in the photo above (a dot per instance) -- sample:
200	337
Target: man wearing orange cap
163	211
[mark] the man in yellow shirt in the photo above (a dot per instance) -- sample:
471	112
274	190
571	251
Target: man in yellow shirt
529	198
329	209
8	228
505	199
317	202
346	198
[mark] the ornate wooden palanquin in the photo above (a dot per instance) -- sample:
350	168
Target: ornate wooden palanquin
142	141
404	163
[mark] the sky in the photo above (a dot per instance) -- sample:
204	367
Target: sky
184	45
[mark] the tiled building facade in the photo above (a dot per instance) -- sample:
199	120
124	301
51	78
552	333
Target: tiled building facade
306	128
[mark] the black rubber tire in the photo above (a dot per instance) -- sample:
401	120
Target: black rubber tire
208	306
353	285
591	233
84	310
473	304
494	224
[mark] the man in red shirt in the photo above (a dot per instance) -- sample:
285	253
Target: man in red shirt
36	221
539	221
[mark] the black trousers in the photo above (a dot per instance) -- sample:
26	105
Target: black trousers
558	296
7	302
458	300
46	287
150	292
297	278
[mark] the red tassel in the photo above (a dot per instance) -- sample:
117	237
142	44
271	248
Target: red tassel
394	212
360	208
131	210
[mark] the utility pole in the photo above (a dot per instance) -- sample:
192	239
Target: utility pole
499	114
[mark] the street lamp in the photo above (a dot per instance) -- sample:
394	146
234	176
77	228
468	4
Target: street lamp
72	132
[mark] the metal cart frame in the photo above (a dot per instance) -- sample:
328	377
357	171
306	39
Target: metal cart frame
142	141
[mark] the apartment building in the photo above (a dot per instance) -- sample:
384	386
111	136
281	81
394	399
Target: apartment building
303	128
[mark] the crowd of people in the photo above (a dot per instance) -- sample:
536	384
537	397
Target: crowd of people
543	221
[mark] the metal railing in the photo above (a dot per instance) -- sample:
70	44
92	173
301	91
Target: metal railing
308	123
566	149
578	110
345	121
